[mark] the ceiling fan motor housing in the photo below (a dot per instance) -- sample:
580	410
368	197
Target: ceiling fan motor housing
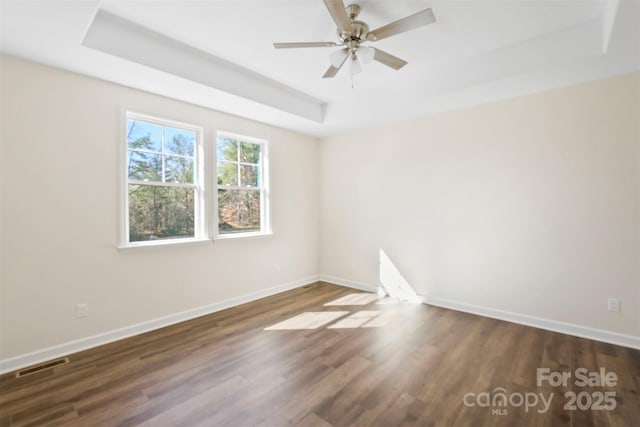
359	29
359	33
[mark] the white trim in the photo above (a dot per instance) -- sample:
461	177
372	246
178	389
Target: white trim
43	355
602	335
39	356
123	178
234	87
162	184
537	322
161	121
235	236
263	188
199	185
348	283
148	244
240	137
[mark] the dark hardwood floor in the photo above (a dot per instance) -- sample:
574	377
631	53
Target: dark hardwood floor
385	365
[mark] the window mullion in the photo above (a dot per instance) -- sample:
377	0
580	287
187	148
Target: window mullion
164	157
238	187
137	150
162	184
238	165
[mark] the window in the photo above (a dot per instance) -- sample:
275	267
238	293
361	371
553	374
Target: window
164	180
242	185
166	198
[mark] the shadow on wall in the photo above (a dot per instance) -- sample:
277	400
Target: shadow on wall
393	283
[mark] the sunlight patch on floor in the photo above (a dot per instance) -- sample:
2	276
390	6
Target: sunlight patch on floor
363	319
307	320
381	320
390	301
362	298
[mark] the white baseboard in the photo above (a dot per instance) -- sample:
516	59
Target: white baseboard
538	322
522	319
39	356
348	283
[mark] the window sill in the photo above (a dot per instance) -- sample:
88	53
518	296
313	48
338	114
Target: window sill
154	244
236	236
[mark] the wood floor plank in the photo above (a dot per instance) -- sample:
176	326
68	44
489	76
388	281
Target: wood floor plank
389	364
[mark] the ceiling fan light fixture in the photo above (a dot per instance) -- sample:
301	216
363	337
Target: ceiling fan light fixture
356	68
366	54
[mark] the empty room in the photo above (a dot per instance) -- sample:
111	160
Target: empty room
320	213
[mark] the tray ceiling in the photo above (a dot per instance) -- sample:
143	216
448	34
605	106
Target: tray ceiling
219	54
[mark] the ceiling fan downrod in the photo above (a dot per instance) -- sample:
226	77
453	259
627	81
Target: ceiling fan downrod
352	37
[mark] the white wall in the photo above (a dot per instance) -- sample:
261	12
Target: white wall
529	205
60	214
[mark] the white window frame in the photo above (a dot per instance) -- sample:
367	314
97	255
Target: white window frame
200	223
265	205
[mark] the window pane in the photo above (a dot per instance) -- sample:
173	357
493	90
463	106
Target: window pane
145	166
144	136
178	169
160	212
179	141
249	153
249	175
238	211
227	149
227	173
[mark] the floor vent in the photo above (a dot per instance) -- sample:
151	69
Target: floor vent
43	366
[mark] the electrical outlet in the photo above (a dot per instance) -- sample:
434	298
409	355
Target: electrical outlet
82	310
613	304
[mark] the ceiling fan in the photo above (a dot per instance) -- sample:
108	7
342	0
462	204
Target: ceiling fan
353	33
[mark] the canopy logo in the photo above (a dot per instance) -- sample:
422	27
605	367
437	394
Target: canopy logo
499	400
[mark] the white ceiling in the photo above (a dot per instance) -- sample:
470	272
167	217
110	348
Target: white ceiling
477	51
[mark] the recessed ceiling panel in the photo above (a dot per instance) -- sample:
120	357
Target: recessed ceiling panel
117	36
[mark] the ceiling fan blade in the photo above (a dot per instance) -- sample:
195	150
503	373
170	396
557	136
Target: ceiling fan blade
332	71
388	59
339	14
337	57
409	23
303	44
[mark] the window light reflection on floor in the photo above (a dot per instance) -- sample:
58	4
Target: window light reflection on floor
362	298
394	289
356	319
317	319
364	319
308	320
381	320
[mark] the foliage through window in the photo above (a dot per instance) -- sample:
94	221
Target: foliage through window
162	180
241	187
